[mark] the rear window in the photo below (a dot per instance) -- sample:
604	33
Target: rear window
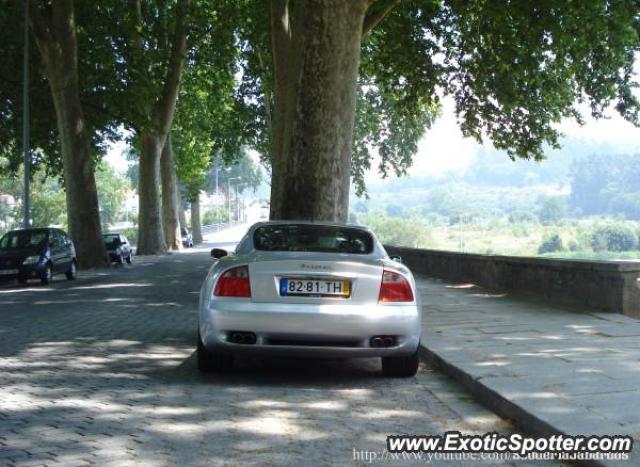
111	240
19	239
318	238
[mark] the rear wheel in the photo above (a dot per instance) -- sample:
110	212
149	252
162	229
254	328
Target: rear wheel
47	275
400	367
212	362
72	273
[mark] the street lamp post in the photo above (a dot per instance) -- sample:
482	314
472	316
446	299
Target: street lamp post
229	196
238	202
25	119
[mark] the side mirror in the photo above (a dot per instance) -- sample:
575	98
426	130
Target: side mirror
396	258
218	253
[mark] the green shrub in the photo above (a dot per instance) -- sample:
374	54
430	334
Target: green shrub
552	211
522	216
132	234
551	244
215	216
400	232
614	237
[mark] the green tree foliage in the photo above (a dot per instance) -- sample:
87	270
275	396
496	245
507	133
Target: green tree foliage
625	204
208	127
552	210
244	172
215	216
606	183
514	71
551	244
614	237
400	232
97	84
48	204
112	190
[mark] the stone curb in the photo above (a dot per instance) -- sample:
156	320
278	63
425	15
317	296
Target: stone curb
494	401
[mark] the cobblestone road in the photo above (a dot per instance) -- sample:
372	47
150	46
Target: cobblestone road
102	371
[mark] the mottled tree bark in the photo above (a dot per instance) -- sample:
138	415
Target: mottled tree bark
55	34
150	232
151	239
181	214
170	207
315	53
196	223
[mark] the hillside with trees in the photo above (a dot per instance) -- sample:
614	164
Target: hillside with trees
575	203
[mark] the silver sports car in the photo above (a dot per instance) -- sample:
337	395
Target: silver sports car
309	289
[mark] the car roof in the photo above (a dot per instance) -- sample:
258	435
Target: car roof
34	229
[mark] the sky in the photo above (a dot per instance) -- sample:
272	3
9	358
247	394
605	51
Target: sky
443	148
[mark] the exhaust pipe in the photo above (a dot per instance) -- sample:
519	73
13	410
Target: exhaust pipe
383	341
377	342
240	337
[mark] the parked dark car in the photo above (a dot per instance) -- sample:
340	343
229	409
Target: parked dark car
187	240
118	247
37	254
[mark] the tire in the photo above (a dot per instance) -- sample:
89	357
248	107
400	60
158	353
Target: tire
47	276
129	258
72	273
209	362
400	367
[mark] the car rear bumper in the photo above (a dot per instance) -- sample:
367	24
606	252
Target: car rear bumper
114	256
340	331
27	272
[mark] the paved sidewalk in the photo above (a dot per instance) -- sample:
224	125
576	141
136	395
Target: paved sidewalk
547	368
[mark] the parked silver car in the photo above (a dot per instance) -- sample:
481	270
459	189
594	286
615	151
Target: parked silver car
309	289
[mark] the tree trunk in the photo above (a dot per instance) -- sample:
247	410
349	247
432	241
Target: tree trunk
196	224
170	207
151	239
181	214
316	53
56	39
150	232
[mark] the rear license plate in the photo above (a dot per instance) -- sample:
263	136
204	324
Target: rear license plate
315	287
8	272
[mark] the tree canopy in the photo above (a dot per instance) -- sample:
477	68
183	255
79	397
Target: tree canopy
514	70
322	89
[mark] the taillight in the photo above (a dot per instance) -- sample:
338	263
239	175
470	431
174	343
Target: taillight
233	283
395	288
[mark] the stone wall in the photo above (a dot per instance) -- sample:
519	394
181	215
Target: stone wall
611	286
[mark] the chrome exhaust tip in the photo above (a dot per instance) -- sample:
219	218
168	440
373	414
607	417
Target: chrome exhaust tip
377	342
383	341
